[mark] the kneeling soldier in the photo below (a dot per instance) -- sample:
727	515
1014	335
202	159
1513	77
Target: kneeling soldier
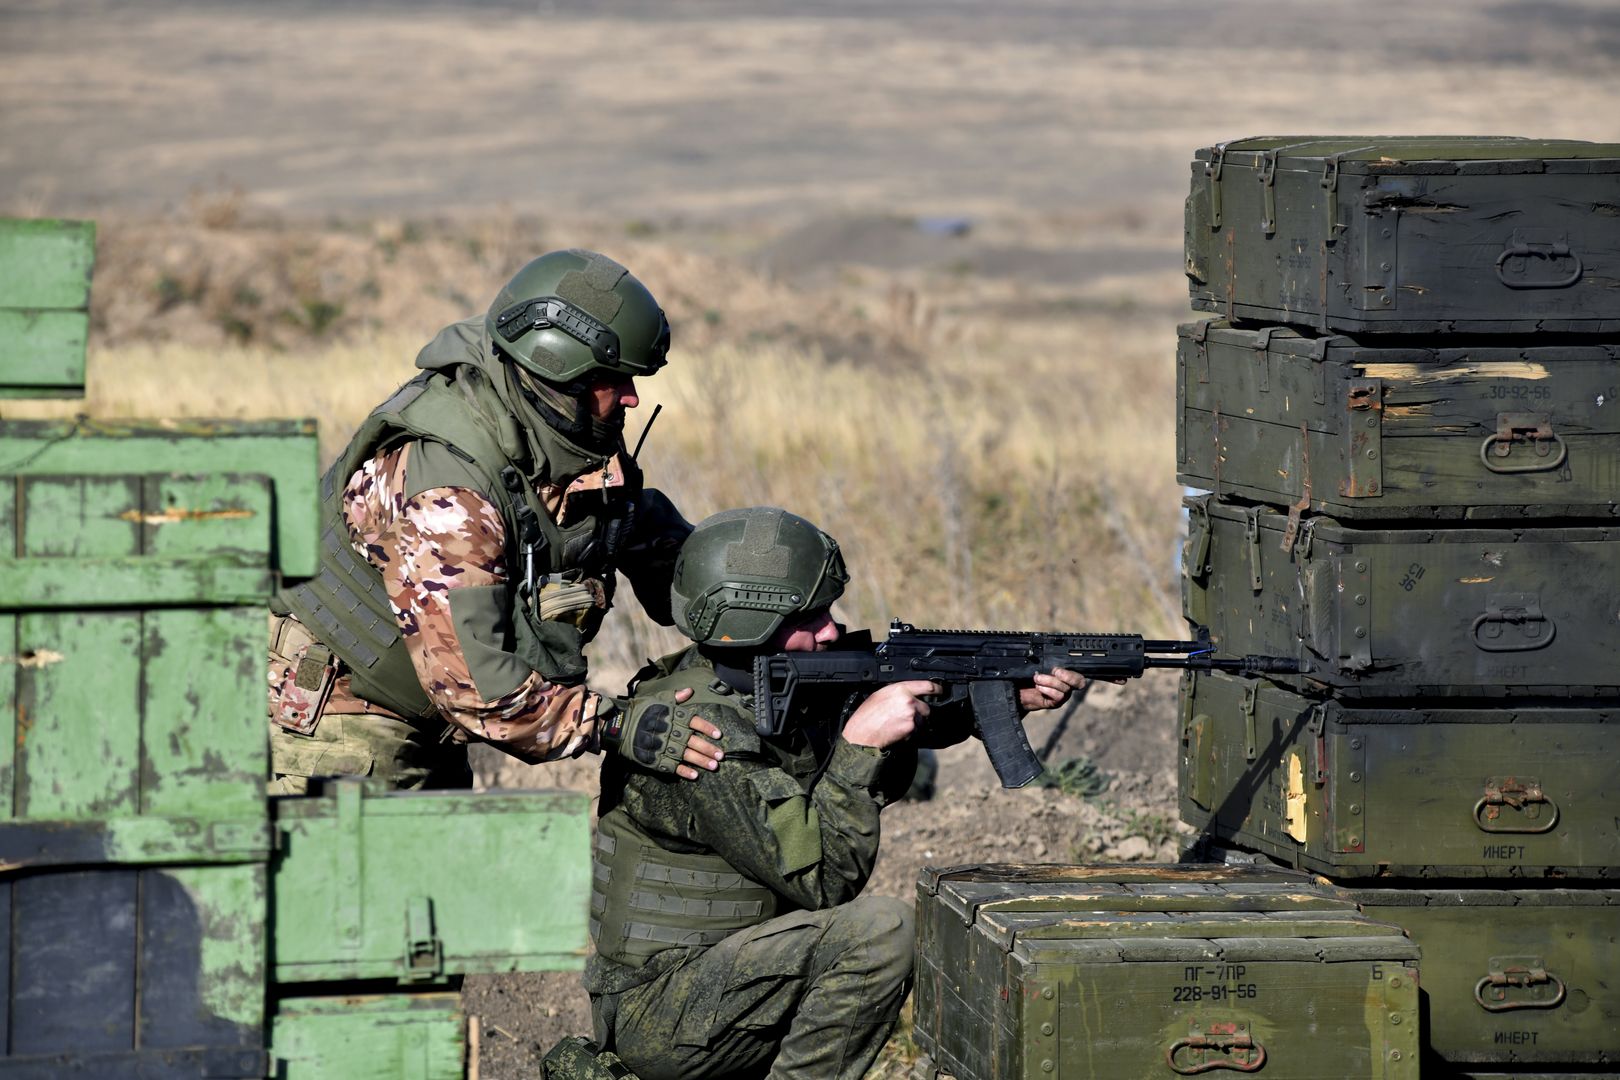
731	937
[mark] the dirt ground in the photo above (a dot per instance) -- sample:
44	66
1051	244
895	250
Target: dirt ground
1028	154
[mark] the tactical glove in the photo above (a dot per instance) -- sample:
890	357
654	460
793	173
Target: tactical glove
650	733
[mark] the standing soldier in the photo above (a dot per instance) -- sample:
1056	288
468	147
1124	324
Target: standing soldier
471	531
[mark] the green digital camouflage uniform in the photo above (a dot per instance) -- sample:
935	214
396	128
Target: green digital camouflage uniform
731	938
470	545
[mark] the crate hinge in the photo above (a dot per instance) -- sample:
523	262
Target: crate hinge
1297	508
1348	792
1318	730
1197	561
1250	693
1319	351
1364	442
1330	184
1251	533
1354	604
1262	347
1212	178
1266	173
1200	338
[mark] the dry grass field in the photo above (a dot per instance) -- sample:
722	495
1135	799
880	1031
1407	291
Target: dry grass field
922	258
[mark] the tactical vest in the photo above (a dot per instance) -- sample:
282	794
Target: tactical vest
346	604
645	899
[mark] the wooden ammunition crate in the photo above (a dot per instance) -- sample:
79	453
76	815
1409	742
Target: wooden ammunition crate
1415	791
1379	613
1521	979
402	885
1410	433
1414	235
1138	971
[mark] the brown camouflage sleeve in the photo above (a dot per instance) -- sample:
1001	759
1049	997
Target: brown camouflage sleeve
427	546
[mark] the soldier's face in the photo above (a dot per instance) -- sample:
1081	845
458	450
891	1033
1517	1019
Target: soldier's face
607	398
814	631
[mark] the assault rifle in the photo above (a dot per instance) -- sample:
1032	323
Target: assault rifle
985	666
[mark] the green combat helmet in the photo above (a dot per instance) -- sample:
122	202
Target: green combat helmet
573	315
743	572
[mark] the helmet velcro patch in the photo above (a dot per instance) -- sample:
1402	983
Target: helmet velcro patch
758	552
591	289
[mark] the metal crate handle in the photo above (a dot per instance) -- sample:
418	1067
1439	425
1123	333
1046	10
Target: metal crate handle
1522	794
1220	1046
1528	974
1536	629
1518	248
1533	428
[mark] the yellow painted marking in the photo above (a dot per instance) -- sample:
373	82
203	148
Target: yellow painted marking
1294	797
1474	580
177	513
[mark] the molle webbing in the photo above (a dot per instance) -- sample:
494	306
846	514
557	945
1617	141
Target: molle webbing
645	899
346	606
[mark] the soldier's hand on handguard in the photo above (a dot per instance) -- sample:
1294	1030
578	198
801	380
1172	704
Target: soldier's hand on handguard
890	715
1050	690
663	739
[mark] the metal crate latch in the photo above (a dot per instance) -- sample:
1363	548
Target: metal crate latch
424	952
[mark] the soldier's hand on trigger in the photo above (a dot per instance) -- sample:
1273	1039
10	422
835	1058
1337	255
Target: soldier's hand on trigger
664	739
890	715
1050	690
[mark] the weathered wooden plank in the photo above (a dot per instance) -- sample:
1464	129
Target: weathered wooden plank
370	1037
202	957
204	702
11	666
80	517
43	351
46	263
78	715
204	515
285	451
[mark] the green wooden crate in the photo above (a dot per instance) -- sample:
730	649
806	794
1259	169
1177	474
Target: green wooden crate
284	451
44	301
132	668
399	885
1412	235
369	1037
1418	791
1032	973
1378	612
1407	432
1520	978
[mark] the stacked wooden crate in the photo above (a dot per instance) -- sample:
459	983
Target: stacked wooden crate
159	916
1406	420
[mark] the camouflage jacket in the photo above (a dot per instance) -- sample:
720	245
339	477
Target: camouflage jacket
795	813
420	513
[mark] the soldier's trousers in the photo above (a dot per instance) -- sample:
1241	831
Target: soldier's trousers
365	744
806	996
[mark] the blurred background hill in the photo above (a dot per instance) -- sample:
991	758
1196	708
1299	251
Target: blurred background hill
923	260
